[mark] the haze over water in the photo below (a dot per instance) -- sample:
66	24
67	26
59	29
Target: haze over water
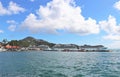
59	64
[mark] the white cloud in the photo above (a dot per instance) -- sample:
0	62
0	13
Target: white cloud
12	27
114	45
32	0
60	15
11	22
117	5
12	8
112	37
111	28
1	31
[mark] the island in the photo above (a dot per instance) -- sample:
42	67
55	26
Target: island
32	44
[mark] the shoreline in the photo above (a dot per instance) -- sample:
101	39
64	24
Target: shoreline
57	51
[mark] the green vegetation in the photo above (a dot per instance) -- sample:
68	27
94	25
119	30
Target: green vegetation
29	41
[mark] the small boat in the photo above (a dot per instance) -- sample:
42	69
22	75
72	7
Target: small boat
2	49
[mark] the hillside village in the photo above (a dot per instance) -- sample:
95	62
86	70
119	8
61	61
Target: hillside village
32	44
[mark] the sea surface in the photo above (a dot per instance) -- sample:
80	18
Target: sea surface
59	64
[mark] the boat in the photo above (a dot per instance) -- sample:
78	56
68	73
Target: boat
2	49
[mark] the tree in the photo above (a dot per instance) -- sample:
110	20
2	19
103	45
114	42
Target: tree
14	43
4	41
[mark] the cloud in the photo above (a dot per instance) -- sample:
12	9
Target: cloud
117	5
32	0
60	15
115	45
12	8
112	37
1	31
111	28
12	27
11	22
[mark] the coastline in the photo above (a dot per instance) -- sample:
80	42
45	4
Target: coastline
56	51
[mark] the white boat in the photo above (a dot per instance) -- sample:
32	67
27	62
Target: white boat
2	49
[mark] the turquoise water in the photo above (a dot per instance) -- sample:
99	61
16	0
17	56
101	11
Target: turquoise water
59	64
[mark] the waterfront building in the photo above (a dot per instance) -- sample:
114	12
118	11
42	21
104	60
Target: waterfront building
9	47
0	44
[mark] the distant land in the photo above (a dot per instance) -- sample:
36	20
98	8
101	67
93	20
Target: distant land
31	43
27	41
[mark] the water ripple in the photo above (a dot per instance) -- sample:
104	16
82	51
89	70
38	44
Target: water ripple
59	64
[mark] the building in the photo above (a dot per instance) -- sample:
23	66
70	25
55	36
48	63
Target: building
89	48
9	47
0	44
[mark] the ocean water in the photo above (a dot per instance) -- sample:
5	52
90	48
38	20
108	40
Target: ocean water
59	64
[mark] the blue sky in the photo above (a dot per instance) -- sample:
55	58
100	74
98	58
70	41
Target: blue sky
62	21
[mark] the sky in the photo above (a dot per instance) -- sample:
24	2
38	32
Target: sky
92	22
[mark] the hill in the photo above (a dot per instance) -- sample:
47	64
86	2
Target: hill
30	41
